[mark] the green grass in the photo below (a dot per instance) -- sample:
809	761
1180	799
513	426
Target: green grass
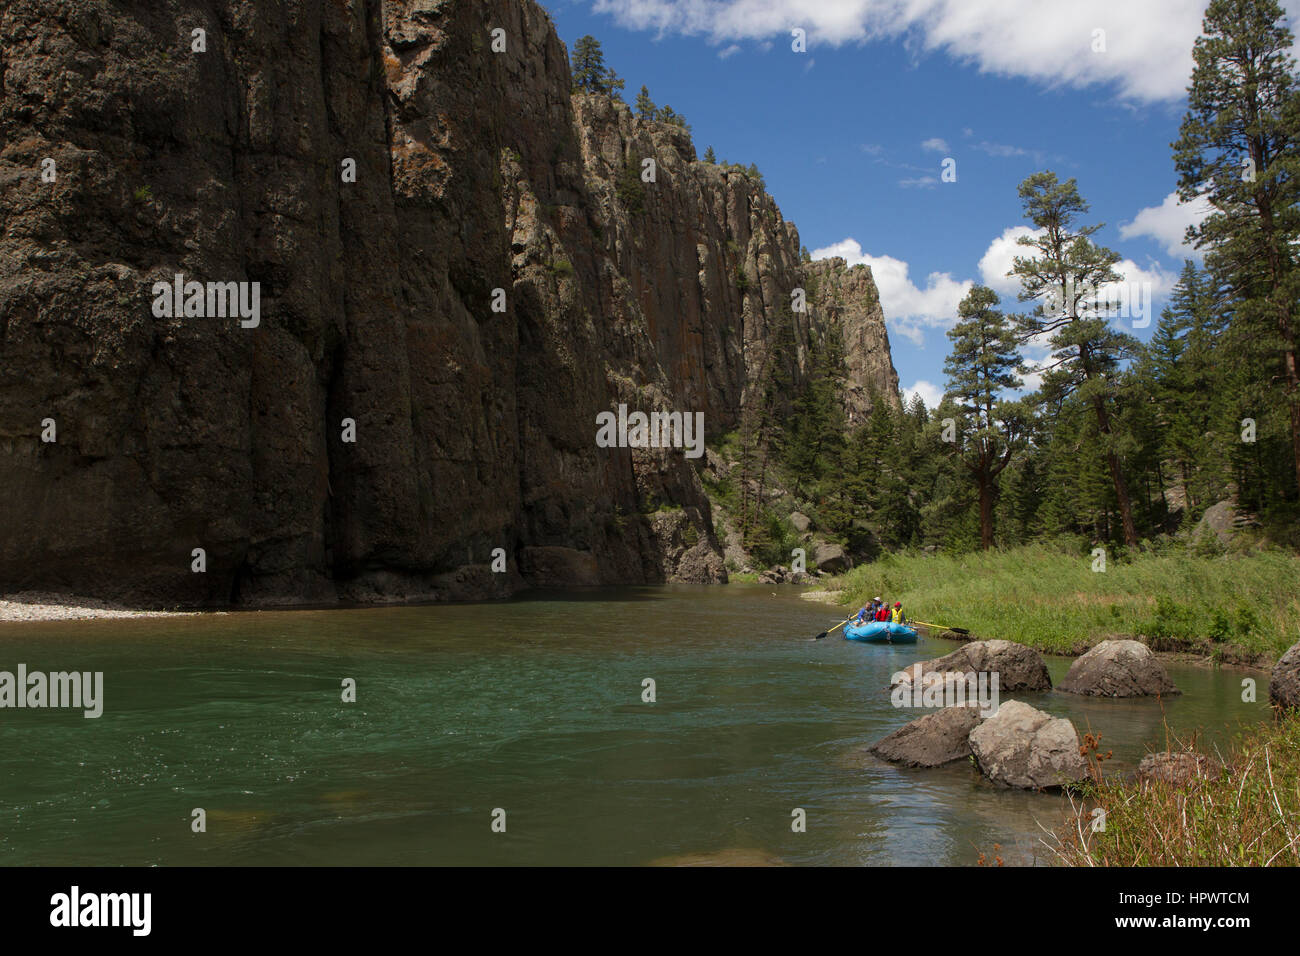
1054	601
1246	814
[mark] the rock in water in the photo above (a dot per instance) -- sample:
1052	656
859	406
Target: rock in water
932	740
1019	668
1284	681
1023	747
1118	669
1177	767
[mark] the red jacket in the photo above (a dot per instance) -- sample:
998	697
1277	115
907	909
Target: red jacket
882	614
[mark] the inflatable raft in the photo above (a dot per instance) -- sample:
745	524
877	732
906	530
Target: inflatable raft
880	632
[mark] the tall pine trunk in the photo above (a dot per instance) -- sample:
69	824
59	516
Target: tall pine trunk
986	508
1116	475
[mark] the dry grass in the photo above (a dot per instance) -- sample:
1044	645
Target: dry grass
1247	813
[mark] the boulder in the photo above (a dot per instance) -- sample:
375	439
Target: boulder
800	521
830	557
1019	668
1217	520
932	740
1020	746
1177	767
1118	669
1284	681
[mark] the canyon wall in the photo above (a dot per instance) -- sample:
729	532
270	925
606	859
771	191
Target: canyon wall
438	331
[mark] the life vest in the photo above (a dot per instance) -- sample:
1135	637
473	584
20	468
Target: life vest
897	615
882	614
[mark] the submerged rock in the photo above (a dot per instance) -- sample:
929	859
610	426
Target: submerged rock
932	740
1019	668
1118	669
1177	767
1284	681
1020	746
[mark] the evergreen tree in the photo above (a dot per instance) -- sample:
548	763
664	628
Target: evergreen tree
645	107
984	363
1239	147
590	75
1065	276
710	156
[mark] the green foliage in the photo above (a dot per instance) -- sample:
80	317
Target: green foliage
1239	148
645	107
710	156
1047	596
590	75
742	280
629	188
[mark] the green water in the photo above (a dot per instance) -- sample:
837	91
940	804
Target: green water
532	706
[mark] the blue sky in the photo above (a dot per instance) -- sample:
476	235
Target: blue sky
850	135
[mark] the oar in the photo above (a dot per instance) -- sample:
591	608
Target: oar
955	630
835	628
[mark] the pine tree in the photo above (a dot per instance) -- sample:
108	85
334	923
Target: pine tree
590	75
1244	111
710	156
984	363
1065	276
645	107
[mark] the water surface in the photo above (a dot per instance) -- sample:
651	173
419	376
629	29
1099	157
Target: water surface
533	706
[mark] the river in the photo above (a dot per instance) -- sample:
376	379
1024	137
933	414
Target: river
533	707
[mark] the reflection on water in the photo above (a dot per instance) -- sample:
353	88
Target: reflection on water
534	707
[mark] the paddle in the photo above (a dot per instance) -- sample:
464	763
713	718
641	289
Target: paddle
955	630
835	628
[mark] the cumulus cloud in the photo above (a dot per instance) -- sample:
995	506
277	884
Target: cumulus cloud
997	259
935	145
1147	53
930	393
729	51
909	309
1167	224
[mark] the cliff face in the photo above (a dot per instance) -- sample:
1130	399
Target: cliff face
489	282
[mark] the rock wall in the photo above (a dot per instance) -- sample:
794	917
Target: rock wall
470	302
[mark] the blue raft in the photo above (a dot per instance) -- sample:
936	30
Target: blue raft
880	632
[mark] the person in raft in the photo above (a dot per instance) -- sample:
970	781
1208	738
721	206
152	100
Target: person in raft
882	612
868	613
898	617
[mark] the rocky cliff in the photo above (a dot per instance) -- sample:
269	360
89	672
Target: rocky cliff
457	267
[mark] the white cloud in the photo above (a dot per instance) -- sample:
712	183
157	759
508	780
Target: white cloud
920	182
1148	53
728	51
996	261
930	393
935	145
1167	224
1001	150
909	309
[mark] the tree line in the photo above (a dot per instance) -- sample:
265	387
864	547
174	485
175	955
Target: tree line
1118	441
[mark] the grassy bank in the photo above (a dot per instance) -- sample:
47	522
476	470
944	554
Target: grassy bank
1246	814
1239	605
